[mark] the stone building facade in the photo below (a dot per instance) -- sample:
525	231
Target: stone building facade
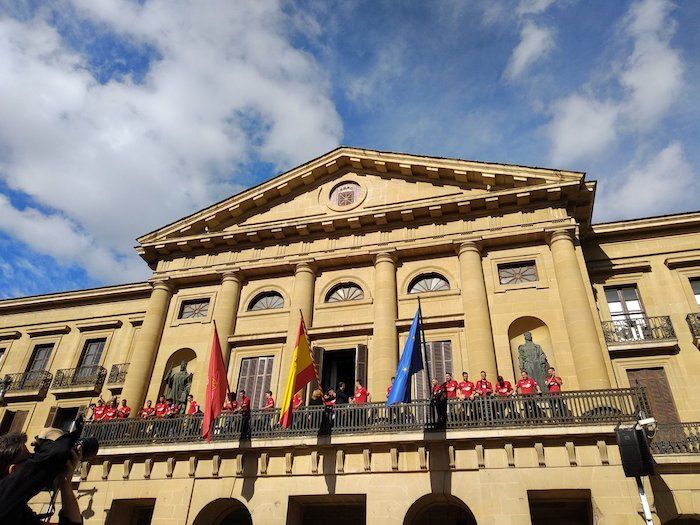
351	241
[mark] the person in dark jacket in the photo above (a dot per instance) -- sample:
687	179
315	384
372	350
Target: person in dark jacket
23	475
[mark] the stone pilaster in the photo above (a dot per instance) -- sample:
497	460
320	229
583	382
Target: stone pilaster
226	310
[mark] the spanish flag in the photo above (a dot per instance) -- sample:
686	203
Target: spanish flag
301	373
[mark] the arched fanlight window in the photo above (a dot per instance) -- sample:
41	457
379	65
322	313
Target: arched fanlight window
266	301
428	282
345	292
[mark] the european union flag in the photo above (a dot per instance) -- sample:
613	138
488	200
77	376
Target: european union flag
410	363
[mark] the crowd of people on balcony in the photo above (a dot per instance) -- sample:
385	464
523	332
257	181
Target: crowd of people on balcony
461	396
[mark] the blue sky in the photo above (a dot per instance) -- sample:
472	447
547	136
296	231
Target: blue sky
119	117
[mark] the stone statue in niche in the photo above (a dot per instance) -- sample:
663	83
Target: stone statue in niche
177	385
533	360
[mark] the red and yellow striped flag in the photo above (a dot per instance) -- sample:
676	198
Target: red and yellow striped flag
301	373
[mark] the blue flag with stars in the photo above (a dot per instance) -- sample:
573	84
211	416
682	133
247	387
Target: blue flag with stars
410	363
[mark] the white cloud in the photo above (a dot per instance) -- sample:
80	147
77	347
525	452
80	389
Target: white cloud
112	161
388	65
656	186
651	81
533	7
535	42
581	126
654	71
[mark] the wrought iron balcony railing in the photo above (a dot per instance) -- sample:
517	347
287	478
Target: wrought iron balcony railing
623	331
91	377
676	438
33	381
117	374
594	407
694	325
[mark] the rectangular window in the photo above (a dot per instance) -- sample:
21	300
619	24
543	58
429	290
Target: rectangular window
560	506
194	308
255	378
439	357
131	511
13	421
517	273
40	358
695	283
627	313
92	352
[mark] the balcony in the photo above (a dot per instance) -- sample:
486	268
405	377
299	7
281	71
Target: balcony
630	336
27	385
117	375
694	325
583	408
676	438
84	379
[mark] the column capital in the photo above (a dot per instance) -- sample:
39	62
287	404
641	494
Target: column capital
232	274
563	234
385	256
307	266
468	245
162	284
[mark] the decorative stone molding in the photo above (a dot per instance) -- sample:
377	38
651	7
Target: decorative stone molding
288	462
571	452
314	462
510	454
106	466
215	465
128	463
169	467
339	461
263	462
451	456
147	468
480	458
367	459
539	448
193	466
603	451
423	458
394	452
239	464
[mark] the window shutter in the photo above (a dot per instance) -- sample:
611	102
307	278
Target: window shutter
438	354
50	418
255	378
659	393
18	421
361	364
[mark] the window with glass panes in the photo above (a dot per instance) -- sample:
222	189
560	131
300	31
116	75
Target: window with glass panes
90	360
37	364
695	283
626	312
255	378
194	308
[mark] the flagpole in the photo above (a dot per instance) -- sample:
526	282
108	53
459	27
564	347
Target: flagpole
422	347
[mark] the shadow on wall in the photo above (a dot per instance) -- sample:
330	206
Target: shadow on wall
540	336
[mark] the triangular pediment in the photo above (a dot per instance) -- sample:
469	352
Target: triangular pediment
389	184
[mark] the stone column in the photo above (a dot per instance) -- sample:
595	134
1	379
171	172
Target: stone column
481	353
302	300
384	354
145	351
578	316
226	310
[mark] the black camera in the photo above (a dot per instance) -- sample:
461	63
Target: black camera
71	440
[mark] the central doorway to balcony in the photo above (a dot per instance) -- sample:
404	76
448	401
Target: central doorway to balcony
345	365
339	365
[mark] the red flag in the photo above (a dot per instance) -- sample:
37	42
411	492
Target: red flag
217	387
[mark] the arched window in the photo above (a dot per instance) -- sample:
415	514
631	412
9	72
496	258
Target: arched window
266	301
428	282
345	292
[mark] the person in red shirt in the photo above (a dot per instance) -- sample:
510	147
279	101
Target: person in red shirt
244	407
173	408
504	389
123	411
361	394
388	389
483	386
450	386
111	411
438	405
465	392
162	407
98	413
553	383
192	406
526	387
269	401
230	405
147	411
